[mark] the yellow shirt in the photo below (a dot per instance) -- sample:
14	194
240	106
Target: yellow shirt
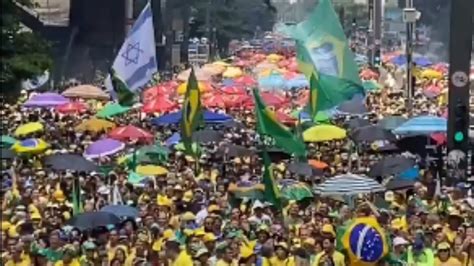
223	263
275	261
74	262
337	257
183	259
450	262
25	261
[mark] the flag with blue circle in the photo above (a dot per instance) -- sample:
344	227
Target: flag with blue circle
135	63
365	242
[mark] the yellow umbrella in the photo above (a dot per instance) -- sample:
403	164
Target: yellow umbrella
232	72
213	69
201	75
322	133
29	128
182	88
431	74
95	125
274	57
221	63
147	170
30	146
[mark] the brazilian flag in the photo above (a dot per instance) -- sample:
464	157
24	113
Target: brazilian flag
191	112
76	197
268	125
124	96
271	192
321	43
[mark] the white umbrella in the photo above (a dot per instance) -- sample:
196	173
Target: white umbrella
347	185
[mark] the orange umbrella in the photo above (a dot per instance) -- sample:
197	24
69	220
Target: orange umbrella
318	164
86	92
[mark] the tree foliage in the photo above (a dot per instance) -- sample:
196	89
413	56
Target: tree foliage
232	19
24	54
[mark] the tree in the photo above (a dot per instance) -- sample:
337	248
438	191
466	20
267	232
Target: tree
24	54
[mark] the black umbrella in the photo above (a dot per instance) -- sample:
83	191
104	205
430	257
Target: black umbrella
354	106
391	122
276	154
121	210
91	220
235	151
371	134
7	154
399	184
304	169
391	166
207	135
233	124
73	162
356	123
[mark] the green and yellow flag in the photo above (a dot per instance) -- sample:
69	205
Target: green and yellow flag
124	96
191	112
76	197
268	125
272	192
313	96
321	43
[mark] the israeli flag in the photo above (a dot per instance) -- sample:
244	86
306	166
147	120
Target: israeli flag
135	63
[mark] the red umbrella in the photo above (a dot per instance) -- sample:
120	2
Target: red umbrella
245	80
159	105
156	91
290	75
273	99
439	138
432	91
233	90
72	107
284	118
130	133
215	100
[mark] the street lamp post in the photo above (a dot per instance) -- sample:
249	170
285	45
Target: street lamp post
409	17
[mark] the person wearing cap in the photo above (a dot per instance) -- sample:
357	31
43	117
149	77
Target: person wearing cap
259	217
88	259
398	256
225	254
444	256
418	254
69	257
201	258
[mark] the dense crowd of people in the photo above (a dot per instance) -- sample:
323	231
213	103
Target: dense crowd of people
189	216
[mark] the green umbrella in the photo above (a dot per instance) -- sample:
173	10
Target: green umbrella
156	152
7	141
321	117
294	190
112	109
371	86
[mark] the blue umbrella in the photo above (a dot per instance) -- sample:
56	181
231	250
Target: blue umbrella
121	210
175	118
354	106
227	82
420	61
297	82
422	125
272	82
173	140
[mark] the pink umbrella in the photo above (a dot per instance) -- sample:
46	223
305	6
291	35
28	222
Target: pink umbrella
245	80
70	108
156	91
432	91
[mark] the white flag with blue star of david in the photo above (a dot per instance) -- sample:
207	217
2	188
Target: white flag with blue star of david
135	63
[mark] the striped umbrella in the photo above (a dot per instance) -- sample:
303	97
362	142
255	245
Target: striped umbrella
348	184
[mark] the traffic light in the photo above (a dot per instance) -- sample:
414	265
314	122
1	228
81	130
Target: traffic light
461	123
377	57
